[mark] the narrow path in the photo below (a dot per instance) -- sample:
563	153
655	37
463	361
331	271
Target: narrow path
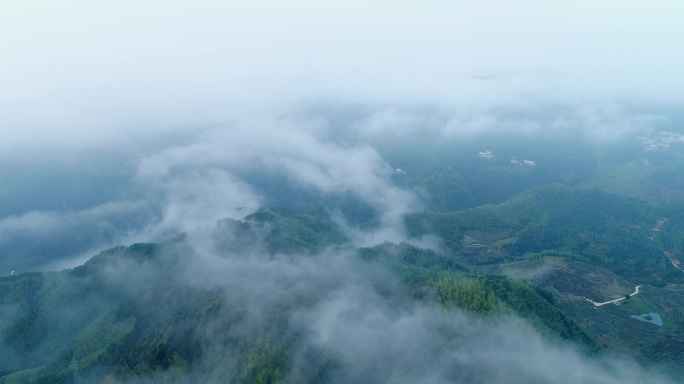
654	232
636	290
674	264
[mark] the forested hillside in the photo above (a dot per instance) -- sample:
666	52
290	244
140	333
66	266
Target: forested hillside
291	295
134	313
587	225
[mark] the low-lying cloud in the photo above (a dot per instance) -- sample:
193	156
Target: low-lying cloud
224	172
355	323
215	176
197	95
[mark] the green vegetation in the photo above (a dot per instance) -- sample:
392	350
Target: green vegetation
124	314
278	231
531	242
590	226
497	294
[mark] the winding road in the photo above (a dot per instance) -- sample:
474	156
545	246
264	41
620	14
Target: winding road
674	264
636	290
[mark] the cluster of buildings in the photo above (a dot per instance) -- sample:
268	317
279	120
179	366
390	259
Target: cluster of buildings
490	155
486	155
528	163
662	140
656	228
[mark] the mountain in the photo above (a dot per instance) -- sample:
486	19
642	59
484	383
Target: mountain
447	266
144	312
587	225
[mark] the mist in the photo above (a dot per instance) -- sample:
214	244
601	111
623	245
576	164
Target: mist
344	318
141	121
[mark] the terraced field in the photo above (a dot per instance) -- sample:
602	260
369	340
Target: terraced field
612	325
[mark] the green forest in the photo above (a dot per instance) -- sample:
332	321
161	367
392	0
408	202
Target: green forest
258	300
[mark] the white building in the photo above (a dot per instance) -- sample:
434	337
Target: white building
486	155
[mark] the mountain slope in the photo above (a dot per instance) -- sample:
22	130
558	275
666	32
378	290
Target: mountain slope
145	313
591	226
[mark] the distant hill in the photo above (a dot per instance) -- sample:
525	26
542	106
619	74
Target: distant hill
587	225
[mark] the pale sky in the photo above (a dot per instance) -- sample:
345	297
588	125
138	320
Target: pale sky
88	70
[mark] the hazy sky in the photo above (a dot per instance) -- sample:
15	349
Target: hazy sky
80	72
177	99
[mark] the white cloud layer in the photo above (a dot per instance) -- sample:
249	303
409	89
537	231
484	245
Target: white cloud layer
80	72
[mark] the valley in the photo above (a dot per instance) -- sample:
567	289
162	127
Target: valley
548	249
